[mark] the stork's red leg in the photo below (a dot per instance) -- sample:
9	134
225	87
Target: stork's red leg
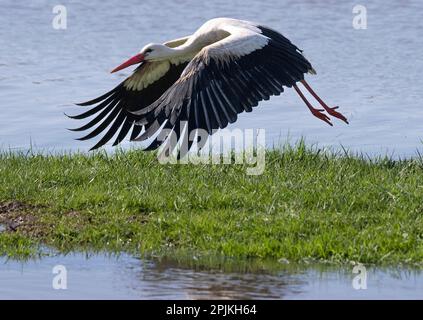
316	112
329	110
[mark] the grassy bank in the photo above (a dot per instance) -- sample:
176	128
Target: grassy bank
306	205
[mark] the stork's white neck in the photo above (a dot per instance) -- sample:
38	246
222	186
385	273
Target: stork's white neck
176	55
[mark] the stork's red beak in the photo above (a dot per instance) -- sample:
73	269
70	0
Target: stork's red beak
134	60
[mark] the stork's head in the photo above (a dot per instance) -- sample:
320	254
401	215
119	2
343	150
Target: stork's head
151	52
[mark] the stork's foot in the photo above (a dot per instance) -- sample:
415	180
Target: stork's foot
318	113
336	114
329	110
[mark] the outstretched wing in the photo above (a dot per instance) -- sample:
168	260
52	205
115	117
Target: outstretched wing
226	78
114	110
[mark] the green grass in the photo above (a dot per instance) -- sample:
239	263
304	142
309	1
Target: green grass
307	205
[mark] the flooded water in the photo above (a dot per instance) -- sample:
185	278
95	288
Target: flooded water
102	277
373	74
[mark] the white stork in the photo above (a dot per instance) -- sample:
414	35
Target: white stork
204	80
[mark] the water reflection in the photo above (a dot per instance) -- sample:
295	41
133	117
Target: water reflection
217	285
125	277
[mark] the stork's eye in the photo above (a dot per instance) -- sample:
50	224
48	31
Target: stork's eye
148	50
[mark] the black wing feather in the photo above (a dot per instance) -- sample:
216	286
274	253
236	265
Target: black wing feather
127	101
207	94
211	94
